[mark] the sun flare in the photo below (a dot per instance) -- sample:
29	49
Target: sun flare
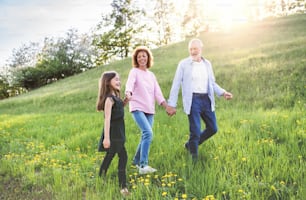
225	14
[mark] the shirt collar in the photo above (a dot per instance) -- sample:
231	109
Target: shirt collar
191	61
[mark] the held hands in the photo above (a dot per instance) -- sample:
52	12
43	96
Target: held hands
128	95
170	111
127	98
227	95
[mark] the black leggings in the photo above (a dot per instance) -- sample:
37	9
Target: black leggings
122	154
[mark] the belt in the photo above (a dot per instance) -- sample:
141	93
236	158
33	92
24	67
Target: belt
200	94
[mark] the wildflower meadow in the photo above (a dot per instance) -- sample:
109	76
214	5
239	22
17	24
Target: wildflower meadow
49	136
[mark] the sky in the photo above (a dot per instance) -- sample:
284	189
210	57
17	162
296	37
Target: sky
25	21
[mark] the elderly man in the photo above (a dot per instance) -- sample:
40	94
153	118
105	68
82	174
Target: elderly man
196	76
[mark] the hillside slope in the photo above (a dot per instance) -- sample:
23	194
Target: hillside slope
263	64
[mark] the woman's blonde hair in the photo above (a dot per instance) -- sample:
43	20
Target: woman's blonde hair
105	89
147	51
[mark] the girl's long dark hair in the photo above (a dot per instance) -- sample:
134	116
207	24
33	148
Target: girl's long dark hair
105	89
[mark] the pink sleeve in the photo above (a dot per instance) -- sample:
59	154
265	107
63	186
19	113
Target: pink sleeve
129	87
157	92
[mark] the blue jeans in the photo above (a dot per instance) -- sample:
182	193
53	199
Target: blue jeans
145	123
200	109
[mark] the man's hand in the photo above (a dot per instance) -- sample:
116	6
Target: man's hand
227	95
170	110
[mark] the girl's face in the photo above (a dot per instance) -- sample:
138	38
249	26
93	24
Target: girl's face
142	59
115	83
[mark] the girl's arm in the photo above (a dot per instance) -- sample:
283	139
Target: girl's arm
107	117
125	101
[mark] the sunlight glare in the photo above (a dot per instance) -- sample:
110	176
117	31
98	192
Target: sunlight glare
224	14
229	13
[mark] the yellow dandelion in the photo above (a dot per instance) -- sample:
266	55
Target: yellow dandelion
273	188
184	196
164	194
240	191
209	197
282	183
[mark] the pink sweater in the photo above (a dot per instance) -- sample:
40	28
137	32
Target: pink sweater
145	90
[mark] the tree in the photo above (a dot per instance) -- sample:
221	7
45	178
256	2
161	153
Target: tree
162	18
66	56
118	31
4	87
7	89
282	7
58	58
193	18
26	55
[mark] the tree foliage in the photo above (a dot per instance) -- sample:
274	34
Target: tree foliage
24	56
193	19
162	17
58	58
116	32
4	87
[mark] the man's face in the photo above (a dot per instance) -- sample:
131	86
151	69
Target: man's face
195	51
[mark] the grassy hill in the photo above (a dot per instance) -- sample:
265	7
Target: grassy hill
49	135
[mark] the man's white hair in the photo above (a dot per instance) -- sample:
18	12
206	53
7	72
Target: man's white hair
198	41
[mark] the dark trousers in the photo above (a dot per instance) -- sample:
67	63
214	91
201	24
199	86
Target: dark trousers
110	154
200	109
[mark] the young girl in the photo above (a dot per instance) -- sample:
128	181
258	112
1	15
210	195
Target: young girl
114	129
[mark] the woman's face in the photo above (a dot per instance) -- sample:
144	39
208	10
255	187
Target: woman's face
142	59
115	82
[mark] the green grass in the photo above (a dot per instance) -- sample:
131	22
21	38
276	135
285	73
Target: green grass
49	136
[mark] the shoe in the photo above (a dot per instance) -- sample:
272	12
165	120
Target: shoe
135	166
146	170
125	192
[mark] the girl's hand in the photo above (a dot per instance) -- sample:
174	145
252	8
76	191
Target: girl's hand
106	143
128	96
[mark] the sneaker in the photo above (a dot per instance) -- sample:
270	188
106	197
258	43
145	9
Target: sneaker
135	166
146	170
125	192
